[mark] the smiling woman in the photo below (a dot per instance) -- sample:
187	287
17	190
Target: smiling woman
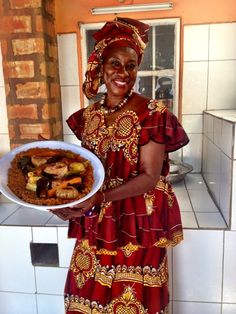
119	263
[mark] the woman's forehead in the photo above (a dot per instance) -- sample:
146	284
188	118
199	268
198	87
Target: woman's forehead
122	51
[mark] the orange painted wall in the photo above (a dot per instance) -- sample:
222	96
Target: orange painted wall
71	12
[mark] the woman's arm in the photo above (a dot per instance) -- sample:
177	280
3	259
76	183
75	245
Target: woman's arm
150	166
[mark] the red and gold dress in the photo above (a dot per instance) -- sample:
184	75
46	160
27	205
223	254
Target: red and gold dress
119	263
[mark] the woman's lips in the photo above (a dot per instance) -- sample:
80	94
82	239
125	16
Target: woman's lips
120	83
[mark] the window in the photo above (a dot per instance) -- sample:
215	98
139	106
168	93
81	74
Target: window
158	75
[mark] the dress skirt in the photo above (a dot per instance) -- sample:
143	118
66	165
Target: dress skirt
130	280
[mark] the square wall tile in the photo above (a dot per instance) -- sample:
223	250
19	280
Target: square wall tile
229	281
208	125
70	103
50	304
44	234
5	144
221	85
194	87
65	247
226	144
222	41
205	145
3	110
194	273
196	308
228	308
17	303
234	148
212	172
233	202
68	59
225	187
217	131
192	153
196	39
16	270
72	139
50	280
192	123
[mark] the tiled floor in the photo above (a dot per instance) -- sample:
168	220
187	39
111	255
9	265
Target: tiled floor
198	210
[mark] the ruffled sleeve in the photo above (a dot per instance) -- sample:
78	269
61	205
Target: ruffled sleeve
76	123
162	126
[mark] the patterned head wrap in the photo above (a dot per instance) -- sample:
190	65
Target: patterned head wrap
122	32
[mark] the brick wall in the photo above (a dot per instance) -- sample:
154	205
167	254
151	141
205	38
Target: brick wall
31	72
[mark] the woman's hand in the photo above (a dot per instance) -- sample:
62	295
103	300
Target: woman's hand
79	210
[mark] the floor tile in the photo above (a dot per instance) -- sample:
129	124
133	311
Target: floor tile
183	200
210	220
7	209
56	221
189	220
28	216
202	201
195	182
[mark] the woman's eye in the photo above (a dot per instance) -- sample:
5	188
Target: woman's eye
115	63
130	66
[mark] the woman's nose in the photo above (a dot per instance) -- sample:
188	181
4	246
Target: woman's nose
123	71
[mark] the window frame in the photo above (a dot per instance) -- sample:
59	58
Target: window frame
152	73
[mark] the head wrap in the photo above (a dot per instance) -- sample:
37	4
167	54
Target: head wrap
122	32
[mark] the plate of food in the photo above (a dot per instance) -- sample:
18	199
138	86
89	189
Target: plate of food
49	175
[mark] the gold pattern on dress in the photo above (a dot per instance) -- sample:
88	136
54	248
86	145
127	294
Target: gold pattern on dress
127	303
129	248
105	276
147	276
122	134
81	305
106	252
103	209
149	200
156	277
156	105
177	237
77	304
165	187
83	263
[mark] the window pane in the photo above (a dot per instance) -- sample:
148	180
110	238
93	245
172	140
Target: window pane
90	41
165	35
146	63
144	86
164	87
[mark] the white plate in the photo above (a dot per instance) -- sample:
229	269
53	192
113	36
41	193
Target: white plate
5	163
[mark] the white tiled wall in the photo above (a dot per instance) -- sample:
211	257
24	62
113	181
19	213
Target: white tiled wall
4	135
209	78
69	80
202	279
218	160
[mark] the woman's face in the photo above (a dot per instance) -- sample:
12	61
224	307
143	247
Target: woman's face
120	69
